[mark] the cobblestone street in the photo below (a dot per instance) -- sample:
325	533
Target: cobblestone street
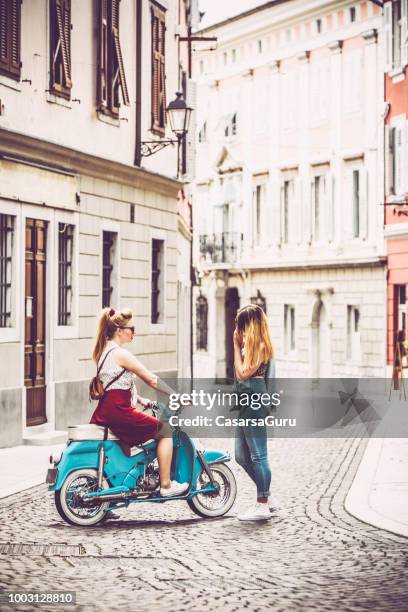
164	557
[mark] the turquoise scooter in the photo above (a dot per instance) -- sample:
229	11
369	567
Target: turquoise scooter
96	473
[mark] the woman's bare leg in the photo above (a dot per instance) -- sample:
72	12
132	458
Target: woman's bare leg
164	456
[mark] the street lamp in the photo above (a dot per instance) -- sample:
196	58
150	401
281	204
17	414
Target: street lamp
179	117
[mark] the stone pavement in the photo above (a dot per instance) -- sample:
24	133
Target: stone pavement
317	557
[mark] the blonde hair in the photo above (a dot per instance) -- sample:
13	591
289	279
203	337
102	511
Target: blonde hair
109	321
258	346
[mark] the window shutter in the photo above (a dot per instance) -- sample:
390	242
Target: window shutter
121	67
281	217
10	35
331	199
15	7
155	71
297	210
404	33
191	134
389	160
158	75
103	36
348	221
388	35
364	199
311	230
63	9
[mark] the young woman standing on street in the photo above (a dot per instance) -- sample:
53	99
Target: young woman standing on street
252	353
117	409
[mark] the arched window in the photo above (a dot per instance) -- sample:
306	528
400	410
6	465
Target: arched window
202	322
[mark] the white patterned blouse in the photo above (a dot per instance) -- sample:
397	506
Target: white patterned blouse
110	369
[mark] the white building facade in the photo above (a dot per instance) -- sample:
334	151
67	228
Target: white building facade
85	219
289	186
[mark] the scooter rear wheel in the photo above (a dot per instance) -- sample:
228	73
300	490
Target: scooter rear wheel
67	499
217	503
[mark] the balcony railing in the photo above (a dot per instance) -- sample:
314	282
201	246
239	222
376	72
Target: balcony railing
221	248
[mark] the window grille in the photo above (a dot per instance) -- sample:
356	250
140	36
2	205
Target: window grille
107	267
65	255
6	250
157	281
202	323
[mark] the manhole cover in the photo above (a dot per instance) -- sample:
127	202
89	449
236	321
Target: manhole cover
46	550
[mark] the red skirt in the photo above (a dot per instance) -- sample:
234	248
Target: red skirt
128	424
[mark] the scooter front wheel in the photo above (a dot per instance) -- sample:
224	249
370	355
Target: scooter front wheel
215	503
68	499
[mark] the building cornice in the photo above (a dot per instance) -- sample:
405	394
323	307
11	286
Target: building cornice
56	157
366	262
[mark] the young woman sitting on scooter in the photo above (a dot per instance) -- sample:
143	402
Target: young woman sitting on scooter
117	409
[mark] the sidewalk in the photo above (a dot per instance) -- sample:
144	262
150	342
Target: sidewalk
379	493
23	467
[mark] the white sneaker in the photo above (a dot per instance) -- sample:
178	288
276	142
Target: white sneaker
274	504
258	512
176	488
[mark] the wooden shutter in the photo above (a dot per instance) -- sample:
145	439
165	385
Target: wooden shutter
121	68
363	202
60	47
103	37
404	33
389	160
387	29
158	73
10	38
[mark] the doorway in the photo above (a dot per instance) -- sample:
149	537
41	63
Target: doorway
231	307
35	322
320	342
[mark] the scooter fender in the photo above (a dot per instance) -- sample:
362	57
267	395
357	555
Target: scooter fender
214	456
211	457
76	456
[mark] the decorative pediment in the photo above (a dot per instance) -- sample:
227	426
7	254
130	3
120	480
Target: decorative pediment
227	160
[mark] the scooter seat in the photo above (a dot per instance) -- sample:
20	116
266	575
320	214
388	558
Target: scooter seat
89	432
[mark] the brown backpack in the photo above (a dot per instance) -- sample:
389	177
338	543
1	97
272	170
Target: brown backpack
96	388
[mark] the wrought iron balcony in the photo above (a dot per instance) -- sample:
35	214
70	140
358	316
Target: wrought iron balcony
221	248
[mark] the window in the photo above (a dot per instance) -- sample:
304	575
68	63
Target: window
111	79
318	196
258	213
287	203
352	14
358	198
259	46
60	48
396	175
65	254
395	34
157	282
356	203
202	323
400	304
234	55
158	70
201	66
6	251
353	334
231	126
289	328
10	35
225	55
202	134
108	267
318	26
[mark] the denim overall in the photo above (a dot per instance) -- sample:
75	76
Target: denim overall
251	450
